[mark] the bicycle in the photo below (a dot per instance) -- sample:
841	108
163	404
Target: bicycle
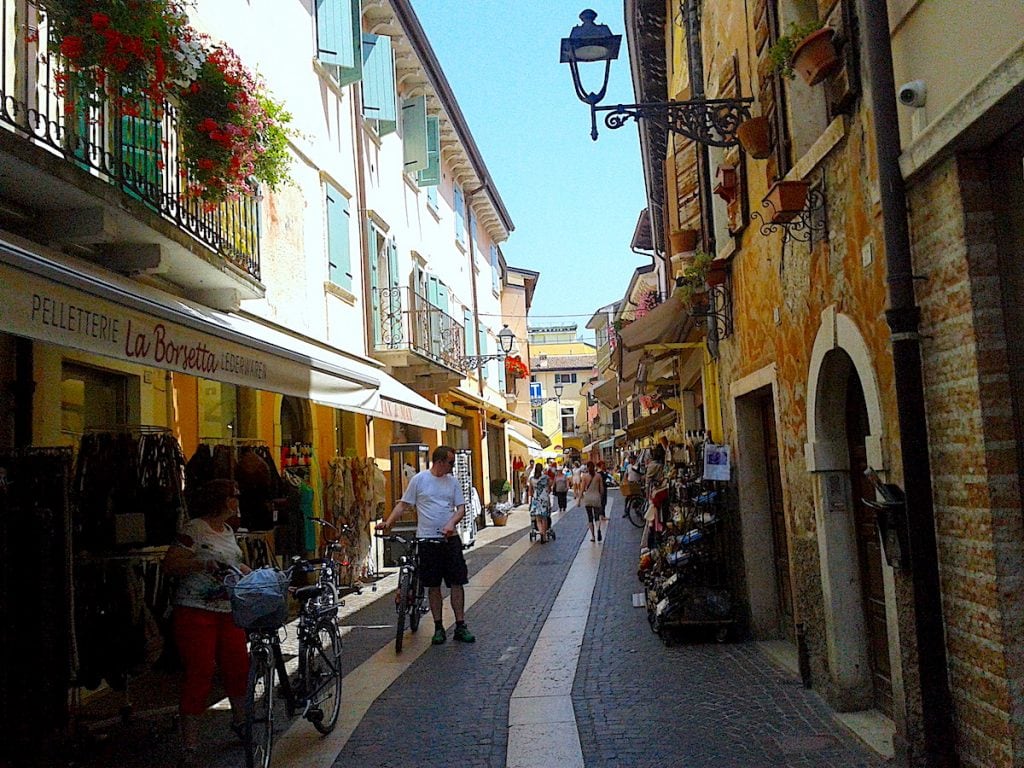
636	508
317	691
410	596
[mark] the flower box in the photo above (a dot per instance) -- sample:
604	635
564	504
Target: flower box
755	137
683	240
815	58
787	200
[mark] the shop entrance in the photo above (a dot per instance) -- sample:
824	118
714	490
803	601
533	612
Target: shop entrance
777	515
869	550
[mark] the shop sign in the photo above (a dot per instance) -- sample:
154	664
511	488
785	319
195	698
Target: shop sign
48	311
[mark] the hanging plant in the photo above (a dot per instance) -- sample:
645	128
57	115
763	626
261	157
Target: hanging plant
780	54
691	285
126	51
234	134
516	368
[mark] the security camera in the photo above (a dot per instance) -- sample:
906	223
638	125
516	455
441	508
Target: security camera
913	94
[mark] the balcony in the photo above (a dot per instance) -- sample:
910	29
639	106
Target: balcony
80	175
422	343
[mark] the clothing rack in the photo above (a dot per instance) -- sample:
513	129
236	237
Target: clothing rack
128	429
241	442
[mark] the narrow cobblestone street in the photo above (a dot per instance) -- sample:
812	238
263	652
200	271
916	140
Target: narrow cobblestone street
636	701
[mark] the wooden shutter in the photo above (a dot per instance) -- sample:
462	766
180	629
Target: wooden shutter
431	175
460	223
371	234
687	184
379	98
771	91
339	256
495	270
467	318
738	208
339	37
414	134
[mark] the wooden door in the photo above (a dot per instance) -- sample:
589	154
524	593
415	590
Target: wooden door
869	549
780	536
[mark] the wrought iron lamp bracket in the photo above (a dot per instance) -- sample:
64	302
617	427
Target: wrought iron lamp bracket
804	227
707	121
719	308
475	361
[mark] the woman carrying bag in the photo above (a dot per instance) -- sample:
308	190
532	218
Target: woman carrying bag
592	485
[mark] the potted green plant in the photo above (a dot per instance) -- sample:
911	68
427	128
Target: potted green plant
806	49
691	285
500	488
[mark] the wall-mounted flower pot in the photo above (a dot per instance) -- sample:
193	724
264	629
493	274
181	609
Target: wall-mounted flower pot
728	182
755	137
787	200
718	271
815	58
683	240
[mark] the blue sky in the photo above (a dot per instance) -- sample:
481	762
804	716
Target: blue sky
574	201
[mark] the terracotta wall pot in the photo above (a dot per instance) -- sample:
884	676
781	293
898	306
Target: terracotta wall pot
787	199
683	240
755	136
815	57
718	271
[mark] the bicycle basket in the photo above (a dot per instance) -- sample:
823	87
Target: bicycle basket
259	599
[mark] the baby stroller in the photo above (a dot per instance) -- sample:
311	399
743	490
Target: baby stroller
535	534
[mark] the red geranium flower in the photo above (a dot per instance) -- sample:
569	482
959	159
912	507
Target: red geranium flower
72	46
100	21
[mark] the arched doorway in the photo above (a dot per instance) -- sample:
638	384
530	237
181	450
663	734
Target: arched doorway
869	550
844	431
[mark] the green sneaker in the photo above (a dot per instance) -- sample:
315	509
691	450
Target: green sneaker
463	635
439	636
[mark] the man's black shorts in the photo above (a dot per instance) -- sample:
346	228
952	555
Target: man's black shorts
442	559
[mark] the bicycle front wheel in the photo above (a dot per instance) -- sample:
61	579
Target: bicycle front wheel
415	603
401	607
259	705
636	508
323	676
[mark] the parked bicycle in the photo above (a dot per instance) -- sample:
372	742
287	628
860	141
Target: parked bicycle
316	692
410	596
635	501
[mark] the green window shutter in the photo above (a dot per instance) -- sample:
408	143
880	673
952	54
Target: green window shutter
338	254
467	317
339	38
483	351
460	222
495	270
379	101
414	134
141	145
430	177
371	235
501	376
442	297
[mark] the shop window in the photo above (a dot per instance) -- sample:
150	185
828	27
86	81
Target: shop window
218	410
93	398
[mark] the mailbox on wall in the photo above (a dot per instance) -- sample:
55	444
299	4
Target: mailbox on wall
891	520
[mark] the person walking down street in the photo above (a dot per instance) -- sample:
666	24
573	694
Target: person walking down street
206	634
561	489
540	501
440	505
606	478
592	487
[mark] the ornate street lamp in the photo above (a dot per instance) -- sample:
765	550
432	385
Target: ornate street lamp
506	340
706	121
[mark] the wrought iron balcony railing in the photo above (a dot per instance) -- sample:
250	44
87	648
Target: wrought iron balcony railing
407	320
138	154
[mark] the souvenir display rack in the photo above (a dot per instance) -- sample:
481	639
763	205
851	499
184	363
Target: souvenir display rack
463	472
684	567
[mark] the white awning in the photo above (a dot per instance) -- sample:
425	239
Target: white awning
98	312
532	445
